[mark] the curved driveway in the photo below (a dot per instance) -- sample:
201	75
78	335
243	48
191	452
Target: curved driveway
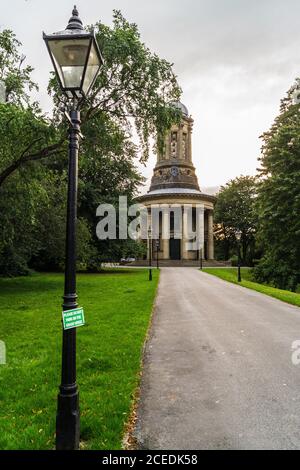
217	370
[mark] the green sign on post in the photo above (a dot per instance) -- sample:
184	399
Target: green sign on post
73	318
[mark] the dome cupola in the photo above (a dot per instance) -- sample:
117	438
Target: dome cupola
182	107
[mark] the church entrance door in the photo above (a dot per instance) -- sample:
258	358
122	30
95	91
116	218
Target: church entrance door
175	248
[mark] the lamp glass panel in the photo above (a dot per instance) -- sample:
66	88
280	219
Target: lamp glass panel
69	57
92	68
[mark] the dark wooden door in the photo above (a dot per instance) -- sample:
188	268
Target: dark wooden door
175	248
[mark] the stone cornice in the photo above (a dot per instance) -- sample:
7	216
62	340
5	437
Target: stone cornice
170	196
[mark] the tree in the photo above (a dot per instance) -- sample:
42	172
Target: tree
235	210
25	134
13	72
18	205
107	170
132	95
25	137
279	199
134	90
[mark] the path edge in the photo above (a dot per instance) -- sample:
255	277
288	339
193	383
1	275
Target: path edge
129	440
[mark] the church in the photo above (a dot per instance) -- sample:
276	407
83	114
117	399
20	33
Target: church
174	183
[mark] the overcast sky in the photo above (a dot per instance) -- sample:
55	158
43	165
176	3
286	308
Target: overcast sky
234	59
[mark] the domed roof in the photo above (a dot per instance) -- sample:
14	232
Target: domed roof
182	107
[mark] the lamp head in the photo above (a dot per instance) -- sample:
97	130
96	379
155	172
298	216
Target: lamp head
75	56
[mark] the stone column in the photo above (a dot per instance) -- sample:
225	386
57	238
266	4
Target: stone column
165	233
184	240
148	241
155	219
210	241
200	227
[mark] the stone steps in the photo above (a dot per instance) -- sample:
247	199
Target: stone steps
182	263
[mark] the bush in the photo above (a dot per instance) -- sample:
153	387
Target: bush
277	273
13	263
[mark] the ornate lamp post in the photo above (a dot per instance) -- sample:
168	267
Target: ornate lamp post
238	235
150	252
76	59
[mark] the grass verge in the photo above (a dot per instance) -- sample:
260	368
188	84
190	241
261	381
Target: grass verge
230	274
117	306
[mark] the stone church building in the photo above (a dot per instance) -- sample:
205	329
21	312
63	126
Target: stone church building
174	182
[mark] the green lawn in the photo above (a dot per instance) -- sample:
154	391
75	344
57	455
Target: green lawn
230	274
117	311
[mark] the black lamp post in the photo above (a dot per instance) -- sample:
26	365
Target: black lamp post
150	253
238	235
76	59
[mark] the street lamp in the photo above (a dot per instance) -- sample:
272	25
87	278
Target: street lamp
76	59
238	235
150	253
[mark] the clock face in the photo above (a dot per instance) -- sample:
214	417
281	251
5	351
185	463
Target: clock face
174	171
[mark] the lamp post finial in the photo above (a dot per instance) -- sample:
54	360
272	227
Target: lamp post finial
75	22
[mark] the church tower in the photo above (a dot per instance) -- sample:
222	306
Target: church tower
174	167
174	184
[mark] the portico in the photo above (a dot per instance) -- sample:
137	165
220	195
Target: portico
176	244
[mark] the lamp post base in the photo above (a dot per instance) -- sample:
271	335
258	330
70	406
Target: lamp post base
68	419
